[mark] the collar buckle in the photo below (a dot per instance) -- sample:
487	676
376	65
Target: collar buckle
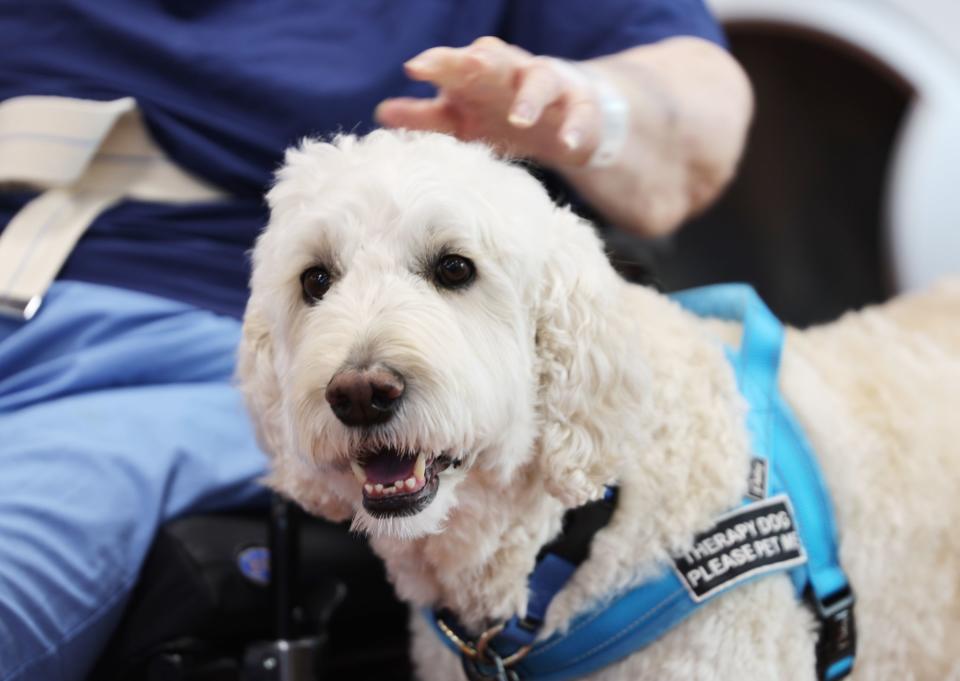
837	644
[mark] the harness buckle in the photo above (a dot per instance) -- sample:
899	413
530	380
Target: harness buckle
837	643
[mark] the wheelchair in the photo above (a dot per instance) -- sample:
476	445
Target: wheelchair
259	596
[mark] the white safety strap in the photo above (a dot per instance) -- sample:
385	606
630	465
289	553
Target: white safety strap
86	155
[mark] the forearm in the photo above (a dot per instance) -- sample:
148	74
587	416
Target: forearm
689	108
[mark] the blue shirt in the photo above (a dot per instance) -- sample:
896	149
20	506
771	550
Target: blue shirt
227	85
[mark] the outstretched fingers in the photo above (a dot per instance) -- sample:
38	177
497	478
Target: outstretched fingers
495	91
479	69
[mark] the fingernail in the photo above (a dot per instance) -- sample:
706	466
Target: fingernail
571	139
522	115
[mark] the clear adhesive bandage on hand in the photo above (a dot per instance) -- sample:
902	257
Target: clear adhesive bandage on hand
614	110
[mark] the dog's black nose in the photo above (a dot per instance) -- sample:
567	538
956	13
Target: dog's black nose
365	397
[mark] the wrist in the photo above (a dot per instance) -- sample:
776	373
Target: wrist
613	111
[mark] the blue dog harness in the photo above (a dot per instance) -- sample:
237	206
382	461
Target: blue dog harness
785	523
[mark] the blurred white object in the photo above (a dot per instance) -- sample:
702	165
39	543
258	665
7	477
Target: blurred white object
916	41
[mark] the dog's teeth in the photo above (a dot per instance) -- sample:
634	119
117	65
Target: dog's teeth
397	487
358	472
421	466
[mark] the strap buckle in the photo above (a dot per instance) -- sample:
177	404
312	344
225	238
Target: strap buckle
21	309
837	644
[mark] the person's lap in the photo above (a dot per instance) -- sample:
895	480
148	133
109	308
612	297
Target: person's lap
117	413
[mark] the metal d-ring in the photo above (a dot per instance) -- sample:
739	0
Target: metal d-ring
484	641
473	672
481	653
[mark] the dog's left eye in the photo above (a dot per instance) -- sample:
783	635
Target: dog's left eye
454	271
315	282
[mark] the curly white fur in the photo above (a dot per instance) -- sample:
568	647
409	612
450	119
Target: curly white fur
551	377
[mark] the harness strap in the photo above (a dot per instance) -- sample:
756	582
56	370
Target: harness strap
643	614
777	436
86	155
556	563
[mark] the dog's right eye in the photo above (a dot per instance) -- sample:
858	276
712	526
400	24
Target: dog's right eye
315	282
455	271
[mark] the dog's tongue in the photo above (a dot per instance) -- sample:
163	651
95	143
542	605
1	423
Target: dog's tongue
386	466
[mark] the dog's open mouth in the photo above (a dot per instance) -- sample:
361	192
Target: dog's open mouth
397	483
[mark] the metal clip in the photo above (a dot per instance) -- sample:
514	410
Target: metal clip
492	669
477	659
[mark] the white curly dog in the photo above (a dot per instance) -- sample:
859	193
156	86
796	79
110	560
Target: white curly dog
437	351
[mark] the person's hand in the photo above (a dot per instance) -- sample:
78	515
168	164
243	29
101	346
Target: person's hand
648	136
524	105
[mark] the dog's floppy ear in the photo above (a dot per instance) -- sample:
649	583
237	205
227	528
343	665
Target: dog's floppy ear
257	368
258	382
592	387
258	377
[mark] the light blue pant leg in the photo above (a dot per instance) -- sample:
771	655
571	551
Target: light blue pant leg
116	414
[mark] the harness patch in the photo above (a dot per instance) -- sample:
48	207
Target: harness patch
748	541
757	480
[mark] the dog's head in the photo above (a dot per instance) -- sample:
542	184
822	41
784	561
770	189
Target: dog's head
424	318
